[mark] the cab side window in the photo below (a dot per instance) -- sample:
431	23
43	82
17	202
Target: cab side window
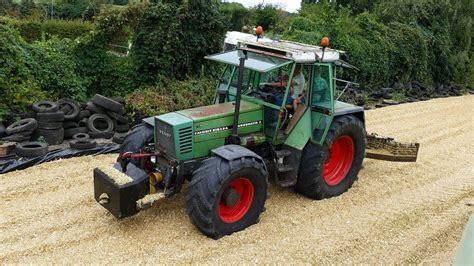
321	89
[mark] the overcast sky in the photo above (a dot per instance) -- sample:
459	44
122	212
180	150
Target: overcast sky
288	5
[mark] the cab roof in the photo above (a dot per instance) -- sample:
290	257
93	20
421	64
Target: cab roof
298	52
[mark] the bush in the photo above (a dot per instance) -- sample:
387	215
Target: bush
172	40
19	88
57	74
171	95
70	29
34	30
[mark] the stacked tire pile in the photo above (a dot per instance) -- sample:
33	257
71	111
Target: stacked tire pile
53	122
22	131
411	92
414	91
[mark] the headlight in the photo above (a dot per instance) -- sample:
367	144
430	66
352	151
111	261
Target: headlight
153	159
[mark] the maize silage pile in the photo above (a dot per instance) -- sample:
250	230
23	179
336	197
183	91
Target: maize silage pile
395	213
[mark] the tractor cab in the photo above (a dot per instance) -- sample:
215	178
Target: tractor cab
268	64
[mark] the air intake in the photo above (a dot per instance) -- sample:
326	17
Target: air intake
185	140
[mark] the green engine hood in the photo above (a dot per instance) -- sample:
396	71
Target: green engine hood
216	111
210	126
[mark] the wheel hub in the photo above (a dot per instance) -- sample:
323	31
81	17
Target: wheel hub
236	200
231	196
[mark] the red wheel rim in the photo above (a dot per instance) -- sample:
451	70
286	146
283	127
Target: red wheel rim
245	190
340	160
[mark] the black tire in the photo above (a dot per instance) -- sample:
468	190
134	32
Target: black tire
27	133
101	135
82	144
50	117
70	107
140	136
96	118
50	125
119	138
207	190
345	131
94	109
16	138
45	107
118	117
84	114
27	124
31	149
29	114
2	130
82	122
108	103
70	124
121	128
51	136
81	136
119	99
70	132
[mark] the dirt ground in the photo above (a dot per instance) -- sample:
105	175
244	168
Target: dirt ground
395	213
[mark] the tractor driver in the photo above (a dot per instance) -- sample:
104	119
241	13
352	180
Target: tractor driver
297	87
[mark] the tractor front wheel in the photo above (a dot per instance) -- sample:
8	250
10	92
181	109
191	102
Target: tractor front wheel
226	196
331	169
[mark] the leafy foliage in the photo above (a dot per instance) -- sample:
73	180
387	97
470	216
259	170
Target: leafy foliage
171	95
18	85
181	35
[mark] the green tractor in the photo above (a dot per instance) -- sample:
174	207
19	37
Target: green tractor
254	134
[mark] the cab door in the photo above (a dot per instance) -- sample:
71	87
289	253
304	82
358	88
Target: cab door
321	101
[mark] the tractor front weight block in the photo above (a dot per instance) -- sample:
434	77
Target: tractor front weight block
117	193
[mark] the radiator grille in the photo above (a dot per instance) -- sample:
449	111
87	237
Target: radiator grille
185	140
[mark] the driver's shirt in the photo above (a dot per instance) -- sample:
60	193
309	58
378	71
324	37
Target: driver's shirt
298	88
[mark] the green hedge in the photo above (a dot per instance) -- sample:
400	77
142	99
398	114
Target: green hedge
409	46
33	30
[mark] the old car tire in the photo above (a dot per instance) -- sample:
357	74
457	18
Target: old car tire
121	128
81	136
2	130
50	117
82	144
331	170
108	103
45	107
226	196
101	135
51	136
117	117
26	124
119	138
119	99
70	124
73	108
16	138
96	118
50	125
95	109
31	149
84	114
70	132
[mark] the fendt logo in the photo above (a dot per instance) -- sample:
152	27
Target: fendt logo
166	134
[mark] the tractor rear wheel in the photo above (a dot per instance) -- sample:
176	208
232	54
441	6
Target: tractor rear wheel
330	170
226	196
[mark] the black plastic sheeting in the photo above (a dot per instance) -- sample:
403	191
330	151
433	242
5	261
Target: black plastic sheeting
19	163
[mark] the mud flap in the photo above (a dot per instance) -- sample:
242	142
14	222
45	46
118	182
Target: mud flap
121	200
387	149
